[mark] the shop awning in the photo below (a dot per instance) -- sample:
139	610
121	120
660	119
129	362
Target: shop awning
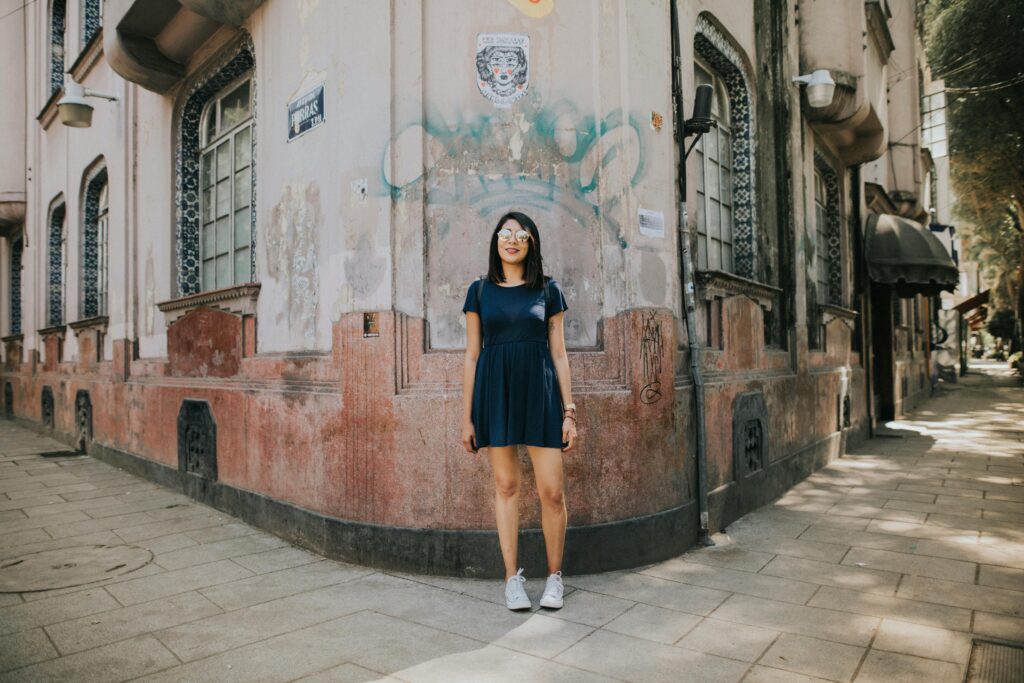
903	254
972	303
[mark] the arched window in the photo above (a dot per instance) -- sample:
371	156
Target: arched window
828	240
58	15
726	160
17	247
56	247
92	19
714	180
226	187
215	181
94	244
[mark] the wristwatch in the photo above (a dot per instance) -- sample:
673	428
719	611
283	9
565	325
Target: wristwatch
569	406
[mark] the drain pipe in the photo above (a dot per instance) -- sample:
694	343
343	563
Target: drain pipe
699	124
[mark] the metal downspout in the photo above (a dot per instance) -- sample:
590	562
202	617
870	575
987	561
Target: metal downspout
689	291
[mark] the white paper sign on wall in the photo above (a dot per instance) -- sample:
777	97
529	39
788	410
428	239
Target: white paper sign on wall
652	223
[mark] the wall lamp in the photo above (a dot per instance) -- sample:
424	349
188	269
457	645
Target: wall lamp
701	121
820	87
74	110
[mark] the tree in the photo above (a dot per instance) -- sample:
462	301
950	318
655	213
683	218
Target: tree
974	46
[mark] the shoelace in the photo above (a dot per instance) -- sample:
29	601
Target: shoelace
554	583
520	579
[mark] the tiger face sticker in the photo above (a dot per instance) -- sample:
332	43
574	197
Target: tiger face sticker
503	66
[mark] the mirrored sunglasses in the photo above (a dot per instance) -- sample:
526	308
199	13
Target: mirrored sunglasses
506	235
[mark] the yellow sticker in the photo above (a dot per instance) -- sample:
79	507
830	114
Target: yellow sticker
534	8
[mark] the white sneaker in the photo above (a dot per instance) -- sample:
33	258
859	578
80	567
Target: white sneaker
553	590
515	593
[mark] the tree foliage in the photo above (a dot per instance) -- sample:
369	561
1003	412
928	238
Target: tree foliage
975	47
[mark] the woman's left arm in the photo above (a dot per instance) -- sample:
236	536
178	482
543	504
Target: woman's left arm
560	358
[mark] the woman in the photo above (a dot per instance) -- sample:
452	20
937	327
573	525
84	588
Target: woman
517	391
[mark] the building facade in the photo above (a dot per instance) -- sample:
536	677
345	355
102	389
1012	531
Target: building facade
245	278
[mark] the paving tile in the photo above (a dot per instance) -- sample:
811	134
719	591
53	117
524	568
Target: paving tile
758	585
765	674
889	667
39	540
999	626
870	604
827	574
904	563
12	543
1001	577
923	531
875	512
172	526
838	521
35	501
139	488
84	633
923	641
40	522
53	610
120	661
178	581
862	539
813	657
839	627
939	489
274	585
21	649
373	641
163	544
543	636
648	661
346	673
222	532
653	623
90	525
653	591
591	609
277	559
729	639
806	549
211	552
985	598
730	556
492	664
754	526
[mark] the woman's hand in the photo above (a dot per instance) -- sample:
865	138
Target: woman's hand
469	437
569	433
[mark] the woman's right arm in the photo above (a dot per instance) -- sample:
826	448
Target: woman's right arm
473	345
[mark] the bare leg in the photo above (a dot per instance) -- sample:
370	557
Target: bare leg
547	468
505	465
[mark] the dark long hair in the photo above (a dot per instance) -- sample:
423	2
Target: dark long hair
533	269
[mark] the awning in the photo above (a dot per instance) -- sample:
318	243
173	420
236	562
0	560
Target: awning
972	303
903	254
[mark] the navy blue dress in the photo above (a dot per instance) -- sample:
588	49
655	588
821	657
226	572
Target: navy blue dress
516	397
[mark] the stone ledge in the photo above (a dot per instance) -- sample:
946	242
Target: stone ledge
240	300
97	322
720	283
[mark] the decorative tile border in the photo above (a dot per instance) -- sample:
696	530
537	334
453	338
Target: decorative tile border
712	46
833	230
94	183
92	19
58	26
17	249
55	275
232	64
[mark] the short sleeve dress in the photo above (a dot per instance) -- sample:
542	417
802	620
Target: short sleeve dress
516	396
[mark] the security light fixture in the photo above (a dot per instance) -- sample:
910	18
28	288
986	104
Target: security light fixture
701	121
820	87
74	110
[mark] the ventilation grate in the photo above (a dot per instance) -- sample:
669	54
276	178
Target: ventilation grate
995	663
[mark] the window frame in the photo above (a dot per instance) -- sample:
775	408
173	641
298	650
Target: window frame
207	149
725	181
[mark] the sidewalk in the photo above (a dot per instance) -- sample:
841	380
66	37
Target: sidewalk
881	567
